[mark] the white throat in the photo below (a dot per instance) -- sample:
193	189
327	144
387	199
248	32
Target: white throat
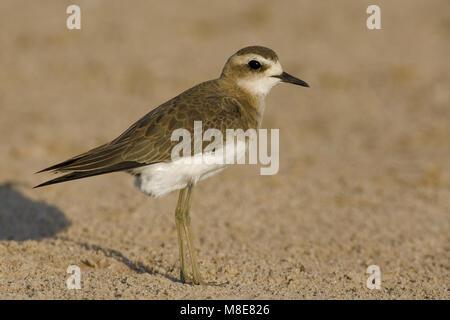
259	87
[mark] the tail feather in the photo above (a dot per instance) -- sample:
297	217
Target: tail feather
126	165
59	165
82	158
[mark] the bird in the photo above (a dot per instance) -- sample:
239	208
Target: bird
234	100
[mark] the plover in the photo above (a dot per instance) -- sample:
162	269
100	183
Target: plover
233	101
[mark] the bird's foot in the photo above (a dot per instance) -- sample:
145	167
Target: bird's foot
191	280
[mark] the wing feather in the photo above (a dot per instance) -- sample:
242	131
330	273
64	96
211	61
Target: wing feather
148	140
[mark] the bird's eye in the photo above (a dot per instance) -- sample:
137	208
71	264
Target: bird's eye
253	64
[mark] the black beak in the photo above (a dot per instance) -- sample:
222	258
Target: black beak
286	77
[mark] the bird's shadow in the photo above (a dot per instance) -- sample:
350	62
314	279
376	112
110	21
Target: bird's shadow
138	267
24	219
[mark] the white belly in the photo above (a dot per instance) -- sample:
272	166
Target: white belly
158	179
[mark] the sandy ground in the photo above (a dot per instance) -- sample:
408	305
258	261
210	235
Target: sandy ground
364	153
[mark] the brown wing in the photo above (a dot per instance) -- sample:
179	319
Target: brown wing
148	141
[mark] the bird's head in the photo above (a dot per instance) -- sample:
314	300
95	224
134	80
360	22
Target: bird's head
257	69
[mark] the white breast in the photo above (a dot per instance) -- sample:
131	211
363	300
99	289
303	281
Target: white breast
158	179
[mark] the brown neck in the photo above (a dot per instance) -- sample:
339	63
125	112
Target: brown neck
253	105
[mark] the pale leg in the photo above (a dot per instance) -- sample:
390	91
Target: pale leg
187	228
179	218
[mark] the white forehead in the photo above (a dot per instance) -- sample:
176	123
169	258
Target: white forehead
274	66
